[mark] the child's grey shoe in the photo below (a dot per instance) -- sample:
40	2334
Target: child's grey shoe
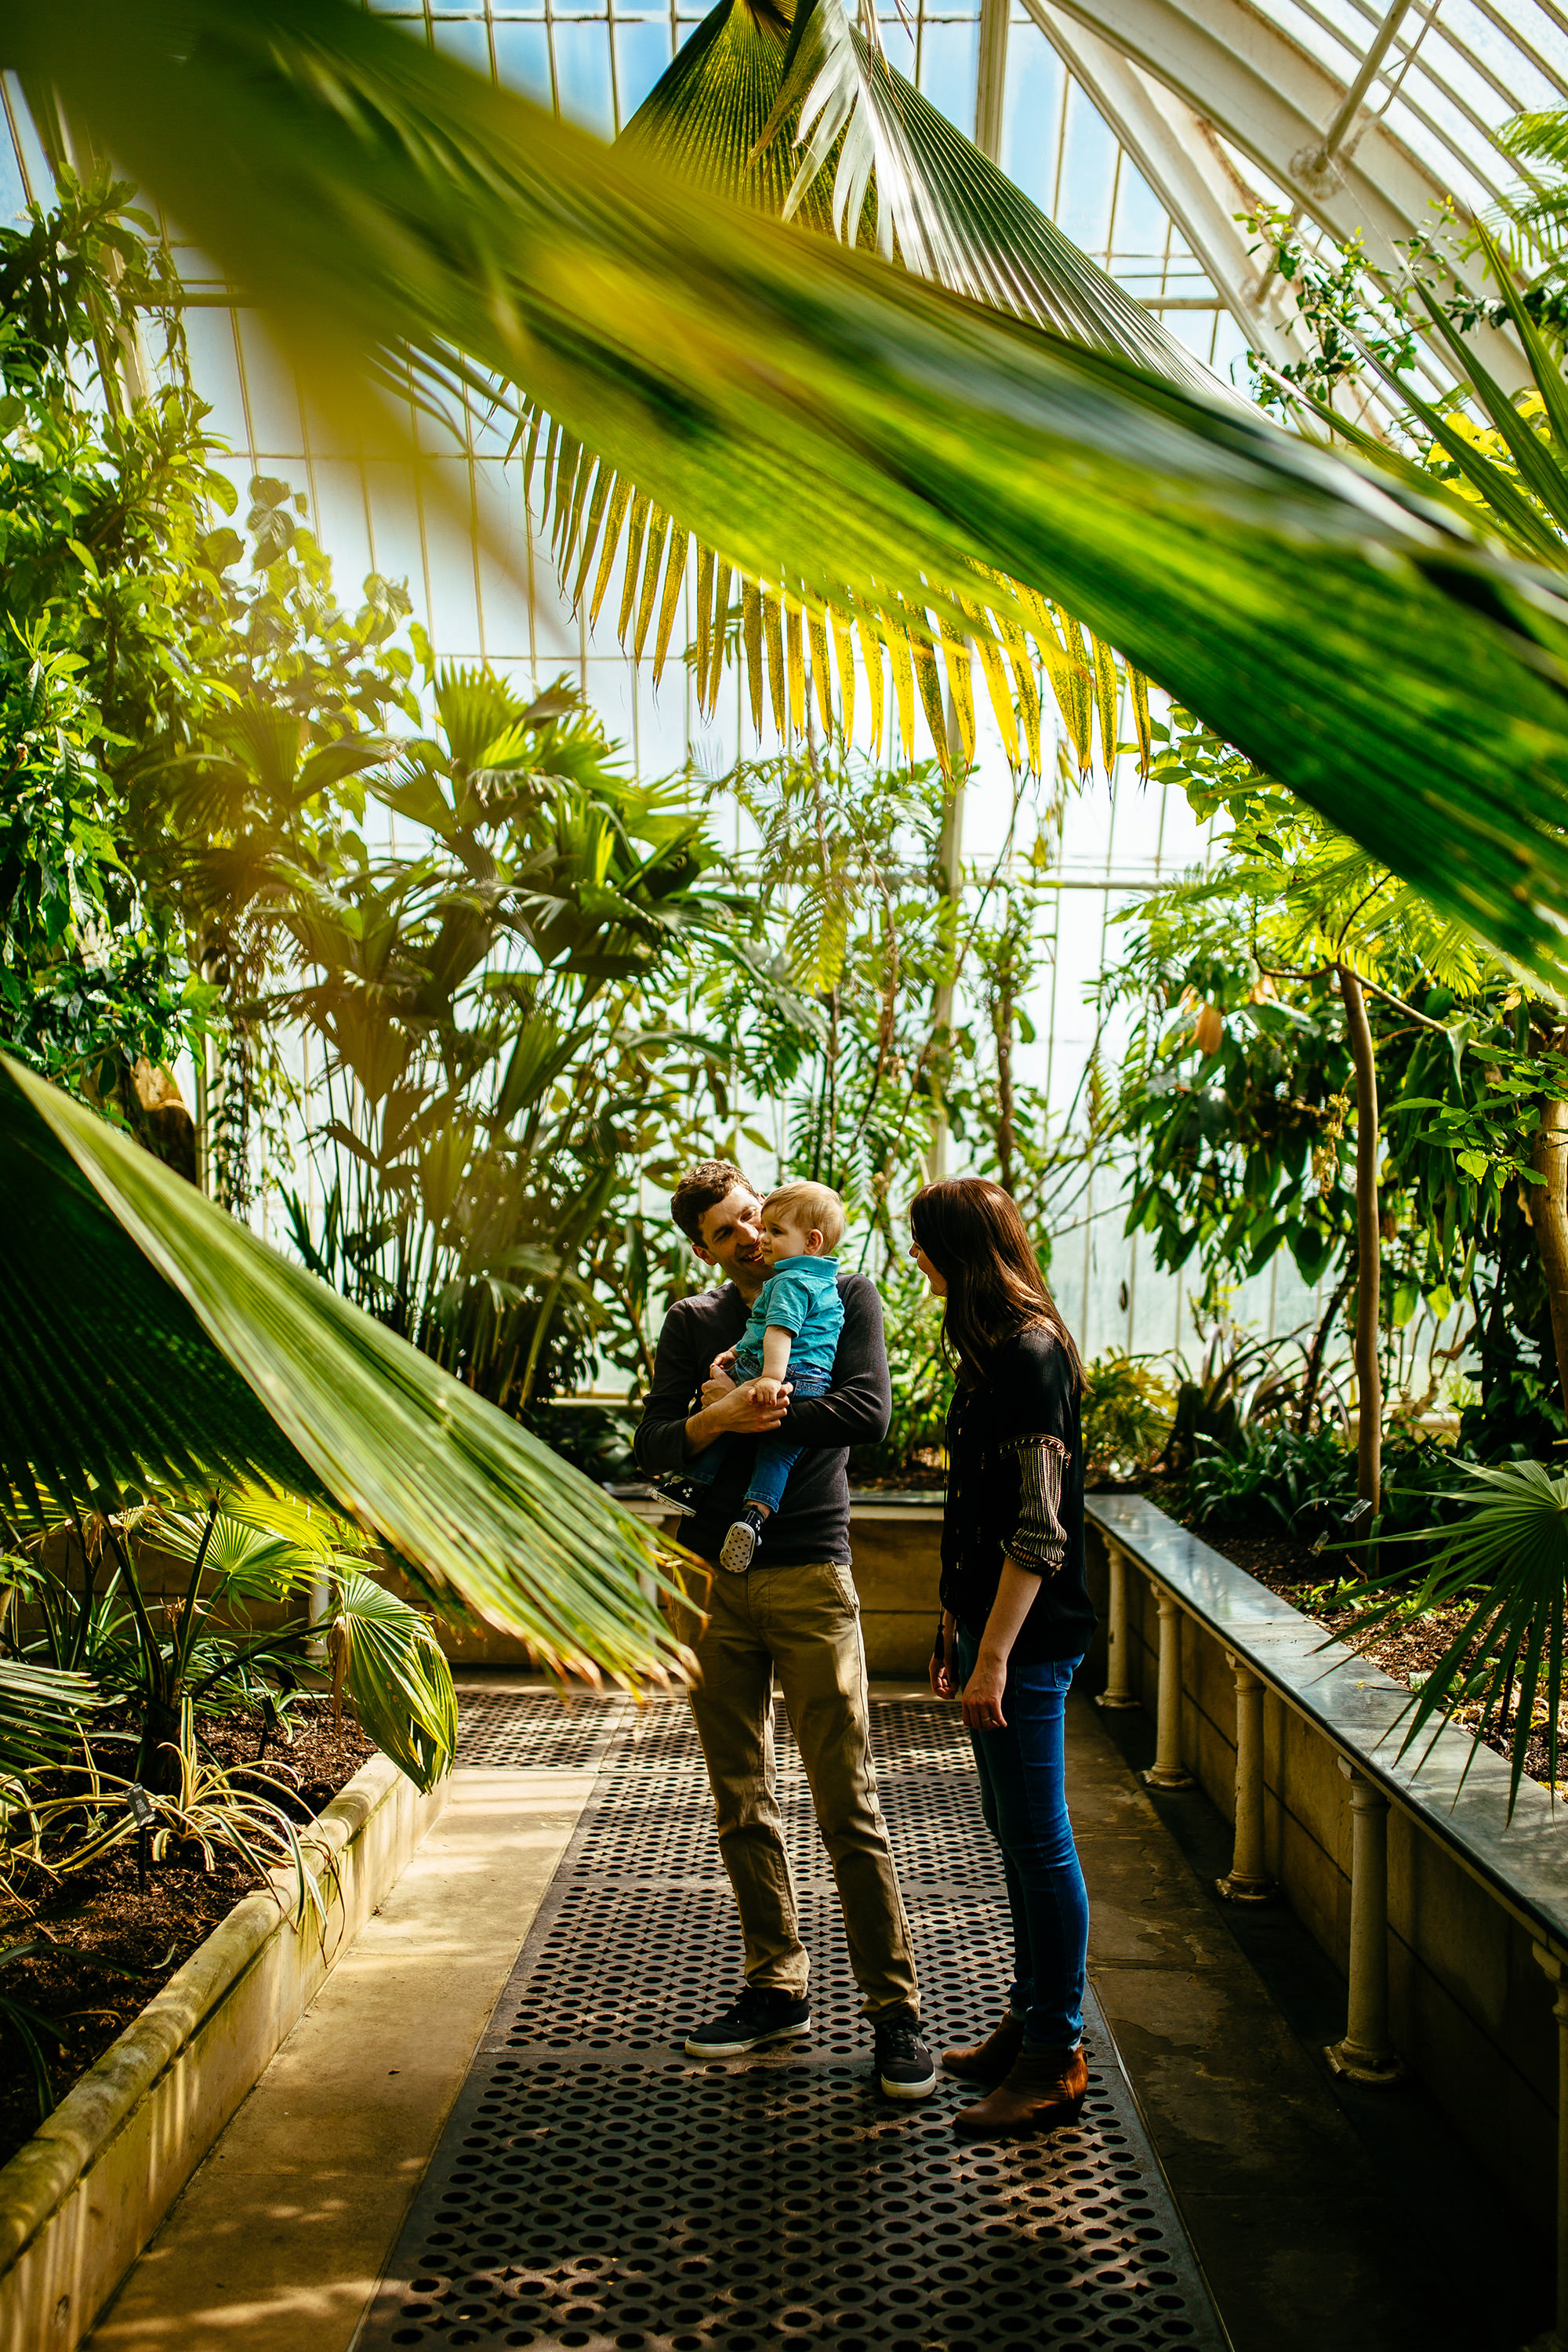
739	1547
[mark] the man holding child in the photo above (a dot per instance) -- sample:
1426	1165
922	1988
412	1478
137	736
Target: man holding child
765	1455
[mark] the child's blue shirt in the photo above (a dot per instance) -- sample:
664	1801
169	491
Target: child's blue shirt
801	1296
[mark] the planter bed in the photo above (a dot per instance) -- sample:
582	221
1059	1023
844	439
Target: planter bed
1477	1919
1307	1580
80	2199
112	1945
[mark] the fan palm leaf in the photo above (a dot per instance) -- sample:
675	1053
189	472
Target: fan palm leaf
153	1341
1503	1572
906	183
840	426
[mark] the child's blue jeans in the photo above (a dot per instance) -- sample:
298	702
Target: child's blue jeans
776	1454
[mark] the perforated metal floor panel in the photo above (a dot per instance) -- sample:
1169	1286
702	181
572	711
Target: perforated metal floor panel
595	2188
536	1727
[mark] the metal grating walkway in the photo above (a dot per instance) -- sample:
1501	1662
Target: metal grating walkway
534	1728
595	2188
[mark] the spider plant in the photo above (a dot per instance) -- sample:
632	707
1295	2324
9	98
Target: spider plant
204	1807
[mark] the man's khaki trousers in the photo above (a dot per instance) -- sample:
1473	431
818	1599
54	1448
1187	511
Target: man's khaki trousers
803	1625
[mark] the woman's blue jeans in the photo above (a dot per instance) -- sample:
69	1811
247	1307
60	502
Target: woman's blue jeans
1023	1795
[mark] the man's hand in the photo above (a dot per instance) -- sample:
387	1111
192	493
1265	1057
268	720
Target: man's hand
732	1411
983	1694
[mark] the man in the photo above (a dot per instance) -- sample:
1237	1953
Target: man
794	1612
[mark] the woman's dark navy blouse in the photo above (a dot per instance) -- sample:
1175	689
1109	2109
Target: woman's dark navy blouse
1014	1490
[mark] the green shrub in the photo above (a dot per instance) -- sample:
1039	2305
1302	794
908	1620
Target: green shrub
1128	1407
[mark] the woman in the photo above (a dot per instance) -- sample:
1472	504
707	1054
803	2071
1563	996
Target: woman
1015	1621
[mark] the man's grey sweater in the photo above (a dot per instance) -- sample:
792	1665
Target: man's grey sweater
813	1522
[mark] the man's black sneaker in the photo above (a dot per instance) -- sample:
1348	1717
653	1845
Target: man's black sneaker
739	1547
761	2014
905	2067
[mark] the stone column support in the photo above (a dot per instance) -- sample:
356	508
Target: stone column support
1556	2338
1247	1880
1119	1691
1365	2055
1168	1771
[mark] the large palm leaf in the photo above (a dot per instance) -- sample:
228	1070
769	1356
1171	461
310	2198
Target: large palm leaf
150	1341
747	83
835	424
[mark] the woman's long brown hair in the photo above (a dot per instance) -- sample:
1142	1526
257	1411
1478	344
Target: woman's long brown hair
971	1232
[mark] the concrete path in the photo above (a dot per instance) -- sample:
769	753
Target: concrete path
278	2239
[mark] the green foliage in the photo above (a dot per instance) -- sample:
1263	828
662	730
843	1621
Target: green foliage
1128	1405
1295	1479
913	1448
1371	655
502	1051
31	2027
148	688
90	980
892	948
234	1366
1506	1566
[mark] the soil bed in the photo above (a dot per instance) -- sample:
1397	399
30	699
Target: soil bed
110	1947
1307	1580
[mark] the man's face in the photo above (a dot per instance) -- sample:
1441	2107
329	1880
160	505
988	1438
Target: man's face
732	1231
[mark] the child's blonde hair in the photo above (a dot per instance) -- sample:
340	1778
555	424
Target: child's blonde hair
813	1208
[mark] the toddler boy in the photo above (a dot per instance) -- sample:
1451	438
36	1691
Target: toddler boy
791	1337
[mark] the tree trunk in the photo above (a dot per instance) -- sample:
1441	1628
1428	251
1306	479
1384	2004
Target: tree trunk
1548	1222
1006	1126
1369	1248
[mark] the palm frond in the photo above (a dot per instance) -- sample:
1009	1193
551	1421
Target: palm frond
1506	1568
906	183
153	1341
840	427
386	1658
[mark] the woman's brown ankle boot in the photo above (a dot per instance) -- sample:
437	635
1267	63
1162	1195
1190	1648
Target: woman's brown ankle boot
1045	2090
992	2060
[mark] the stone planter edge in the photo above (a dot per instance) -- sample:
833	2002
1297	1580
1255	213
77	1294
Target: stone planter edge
82	2198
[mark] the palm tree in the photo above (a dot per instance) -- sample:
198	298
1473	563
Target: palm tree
842	429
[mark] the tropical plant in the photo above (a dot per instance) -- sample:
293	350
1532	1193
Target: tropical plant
1534	213
249	1549
922	1380
233	1366
1352	632
1129	1404
1296	1478
135	659
198	1812
500	1046
1503	1571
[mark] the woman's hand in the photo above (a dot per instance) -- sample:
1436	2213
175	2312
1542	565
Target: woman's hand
943	1666
983	1694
